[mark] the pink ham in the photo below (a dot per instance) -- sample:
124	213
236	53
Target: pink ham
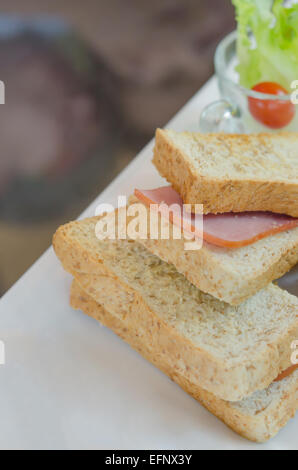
227	230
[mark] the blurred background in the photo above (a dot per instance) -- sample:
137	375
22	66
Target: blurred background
87	82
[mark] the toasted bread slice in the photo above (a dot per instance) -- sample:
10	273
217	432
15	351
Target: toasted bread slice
257	418
231	173
231	275
229	351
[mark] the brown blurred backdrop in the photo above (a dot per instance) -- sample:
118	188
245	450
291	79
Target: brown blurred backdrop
83	95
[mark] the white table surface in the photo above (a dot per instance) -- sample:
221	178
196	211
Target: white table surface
69	383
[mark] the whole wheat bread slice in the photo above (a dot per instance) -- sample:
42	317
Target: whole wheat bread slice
257	418
229	351
231	275
231	173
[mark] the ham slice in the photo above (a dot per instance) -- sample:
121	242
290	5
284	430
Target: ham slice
230	230
286	373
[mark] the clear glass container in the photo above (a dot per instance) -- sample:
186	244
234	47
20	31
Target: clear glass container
231	113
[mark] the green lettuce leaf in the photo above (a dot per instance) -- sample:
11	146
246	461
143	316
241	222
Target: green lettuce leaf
267	44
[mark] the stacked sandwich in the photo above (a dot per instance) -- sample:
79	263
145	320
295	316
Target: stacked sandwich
210	318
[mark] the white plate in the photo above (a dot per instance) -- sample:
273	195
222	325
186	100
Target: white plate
70	384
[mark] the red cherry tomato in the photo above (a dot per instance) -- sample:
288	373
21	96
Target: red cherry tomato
275	114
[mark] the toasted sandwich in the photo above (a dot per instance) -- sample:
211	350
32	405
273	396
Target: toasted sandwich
210	318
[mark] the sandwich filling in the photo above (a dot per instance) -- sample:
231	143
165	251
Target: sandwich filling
229	230
286	373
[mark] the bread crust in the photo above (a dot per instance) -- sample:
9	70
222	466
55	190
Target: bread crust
231	382
219	195
257	427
